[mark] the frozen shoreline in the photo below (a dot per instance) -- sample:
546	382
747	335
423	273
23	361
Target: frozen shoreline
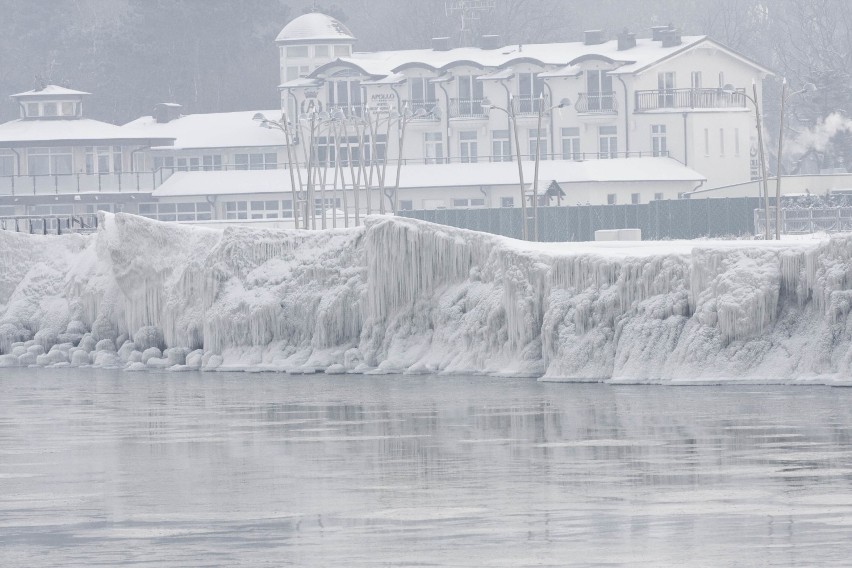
401	295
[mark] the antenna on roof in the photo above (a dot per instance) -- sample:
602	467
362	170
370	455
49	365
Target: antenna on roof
467	11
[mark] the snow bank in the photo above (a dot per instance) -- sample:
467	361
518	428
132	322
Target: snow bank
401	295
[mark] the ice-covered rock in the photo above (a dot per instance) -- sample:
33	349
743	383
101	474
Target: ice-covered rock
79	358
126	349
36	350
105	345
151	353
147	337
176	355
27	359
87	343
194	359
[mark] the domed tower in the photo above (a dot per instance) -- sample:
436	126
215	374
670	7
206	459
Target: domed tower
309	41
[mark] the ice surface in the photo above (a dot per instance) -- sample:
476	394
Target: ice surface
401	295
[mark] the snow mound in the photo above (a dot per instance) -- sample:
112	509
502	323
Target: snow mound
400	295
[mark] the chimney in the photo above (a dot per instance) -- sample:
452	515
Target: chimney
671	37
626	40
593	37
657	32
490	42
166	112
441	43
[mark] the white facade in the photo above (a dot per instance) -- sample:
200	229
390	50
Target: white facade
625	97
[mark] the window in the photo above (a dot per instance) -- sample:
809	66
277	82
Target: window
722	79
507	202
501	146
736	142
164	162
611	199
463	202
706	141
47	161
236	210
658	140
103	159
50	109
68	109
536	137
665	87
344	92
7	163
342	51
270	209
321	51
608	142
467	147
296	71
267	161
32	110
421	90
470	96
635	198
571	143
658	197
331	203
600	94
201	211
211	162
695	80
722	142
406	205
434	147
188	164
297	51
530	87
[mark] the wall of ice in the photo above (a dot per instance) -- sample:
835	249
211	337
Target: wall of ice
401	295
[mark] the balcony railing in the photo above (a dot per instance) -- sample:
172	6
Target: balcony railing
689	99
466	108
428	110
528	105
348	111
597	103
83	183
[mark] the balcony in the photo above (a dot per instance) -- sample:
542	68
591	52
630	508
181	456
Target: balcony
349	111
424	110
597	104
682	99
528	105
63	184
467	108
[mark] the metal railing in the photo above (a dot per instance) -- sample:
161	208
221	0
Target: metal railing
431	109
597	103
50	224
349	111
528	105
689	98
569	156
467	108
57	184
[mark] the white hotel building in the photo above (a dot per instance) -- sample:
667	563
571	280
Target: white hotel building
639	120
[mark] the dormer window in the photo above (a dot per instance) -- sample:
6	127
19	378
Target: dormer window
321	51
342	51
50	109
32	110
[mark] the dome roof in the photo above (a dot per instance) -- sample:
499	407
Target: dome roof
314	27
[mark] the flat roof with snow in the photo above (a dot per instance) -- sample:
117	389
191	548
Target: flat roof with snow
74	131
414	176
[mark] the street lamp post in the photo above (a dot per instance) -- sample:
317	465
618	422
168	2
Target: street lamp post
562	104
284	126
729	89
487	106
809	87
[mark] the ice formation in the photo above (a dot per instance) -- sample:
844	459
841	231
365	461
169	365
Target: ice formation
399	295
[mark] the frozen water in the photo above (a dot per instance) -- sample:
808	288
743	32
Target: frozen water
104	468
403	296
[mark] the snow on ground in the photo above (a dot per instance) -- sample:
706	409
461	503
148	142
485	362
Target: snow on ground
401	295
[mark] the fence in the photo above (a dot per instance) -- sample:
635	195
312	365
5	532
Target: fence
799	221
658	220
50	224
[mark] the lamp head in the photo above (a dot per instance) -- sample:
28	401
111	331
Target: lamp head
258	117
486	104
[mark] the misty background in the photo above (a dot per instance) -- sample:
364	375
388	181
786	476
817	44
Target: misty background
220	55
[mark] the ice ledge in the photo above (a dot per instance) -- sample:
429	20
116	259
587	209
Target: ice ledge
400	295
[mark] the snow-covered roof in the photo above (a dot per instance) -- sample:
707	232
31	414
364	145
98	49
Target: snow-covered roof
566	55
51	90
73	131
213	130
184	184
314	27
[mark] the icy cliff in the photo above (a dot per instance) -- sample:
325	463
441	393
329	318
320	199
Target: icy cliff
405	296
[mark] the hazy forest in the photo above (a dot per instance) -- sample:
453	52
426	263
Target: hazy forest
219	55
